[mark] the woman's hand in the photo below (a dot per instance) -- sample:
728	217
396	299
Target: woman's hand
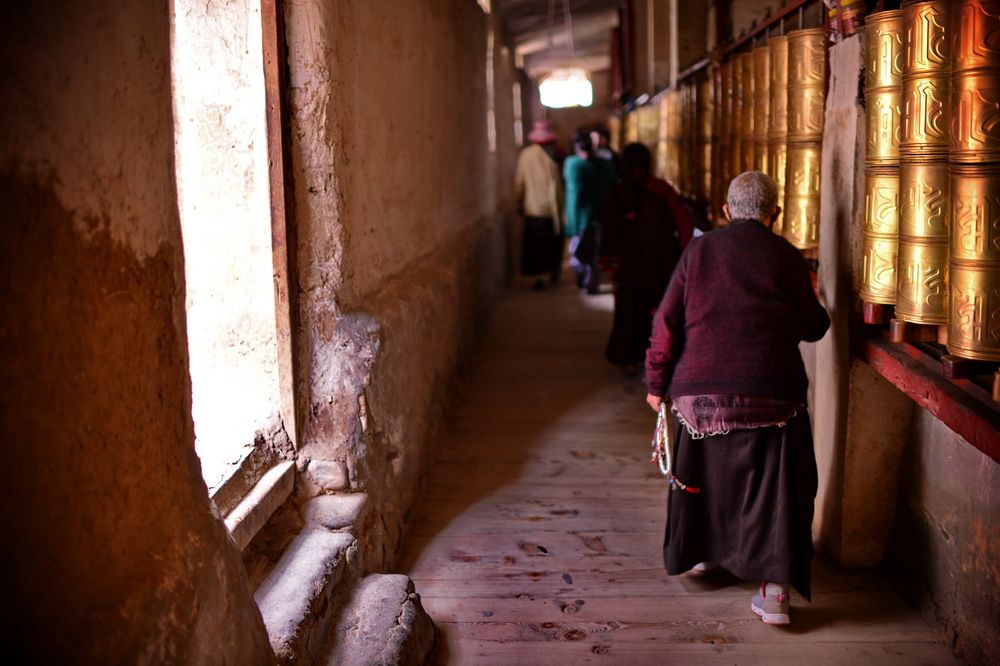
655	401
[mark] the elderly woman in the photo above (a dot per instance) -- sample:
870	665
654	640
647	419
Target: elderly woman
725	353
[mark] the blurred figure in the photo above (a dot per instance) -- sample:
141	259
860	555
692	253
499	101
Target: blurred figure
588	181
540	202
644	236
725	353
601	138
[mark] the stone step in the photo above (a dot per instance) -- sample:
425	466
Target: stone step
296	599
382	624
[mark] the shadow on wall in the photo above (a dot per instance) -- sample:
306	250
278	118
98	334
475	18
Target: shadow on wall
118	557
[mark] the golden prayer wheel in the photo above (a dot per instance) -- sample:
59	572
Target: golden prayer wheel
736	123
703	145
926	80
922	258
805	115
777	125
761	104
802	190
725	115
879	235
715	183
883	86
747	116
806	84
974	311
974	314
777	160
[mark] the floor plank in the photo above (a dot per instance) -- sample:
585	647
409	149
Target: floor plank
538	537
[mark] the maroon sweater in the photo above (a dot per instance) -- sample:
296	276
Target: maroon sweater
738	304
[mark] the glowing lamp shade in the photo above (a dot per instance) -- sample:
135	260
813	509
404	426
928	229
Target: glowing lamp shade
566	88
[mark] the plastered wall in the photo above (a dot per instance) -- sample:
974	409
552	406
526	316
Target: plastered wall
401	249
114	555
945	547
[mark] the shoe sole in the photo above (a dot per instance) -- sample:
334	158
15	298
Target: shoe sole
770	618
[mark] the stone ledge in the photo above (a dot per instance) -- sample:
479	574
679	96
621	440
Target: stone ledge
383	624
254	510
334	512
296	598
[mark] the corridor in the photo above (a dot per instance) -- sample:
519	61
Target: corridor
537	539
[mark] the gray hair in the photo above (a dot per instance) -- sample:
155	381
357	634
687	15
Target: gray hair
753	195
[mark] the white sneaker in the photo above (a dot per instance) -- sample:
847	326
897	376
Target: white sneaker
773	608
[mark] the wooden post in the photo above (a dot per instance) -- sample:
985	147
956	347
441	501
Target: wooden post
283	236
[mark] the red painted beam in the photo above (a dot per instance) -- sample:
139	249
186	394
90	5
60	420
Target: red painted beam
973	421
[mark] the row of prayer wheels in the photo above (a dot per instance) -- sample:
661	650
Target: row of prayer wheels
767	114
931	236
744	114
684	151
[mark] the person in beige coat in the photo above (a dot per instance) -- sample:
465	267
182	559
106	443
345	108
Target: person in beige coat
540	201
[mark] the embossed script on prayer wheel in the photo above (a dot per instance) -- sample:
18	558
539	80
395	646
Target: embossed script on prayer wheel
803	178
884	63
974	319
922	283
927	44
926	115
747	114
802	188
879	235
976	35
801	221
884	110
922	268
975	133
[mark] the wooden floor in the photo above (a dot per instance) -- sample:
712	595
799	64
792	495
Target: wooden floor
538	539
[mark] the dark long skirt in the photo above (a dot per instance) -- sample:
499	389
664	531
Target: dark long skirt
753	516
541	252
632	325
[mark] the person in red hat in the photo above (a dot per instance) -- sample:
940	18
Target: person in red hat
540	202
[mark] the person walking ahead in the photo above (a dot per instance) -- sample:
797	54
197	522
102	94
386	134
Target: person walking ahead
540	201
588	180
725	352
